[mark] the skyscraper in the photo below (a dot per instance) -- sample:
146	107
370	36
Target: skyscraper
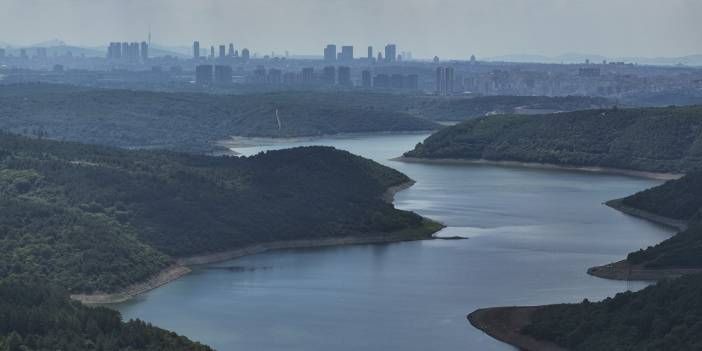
222	51
390	53
330	53
203	74
245	54
212	52
144	51
444	80
222	74
231	50
196	49
347	53
345	76
370	53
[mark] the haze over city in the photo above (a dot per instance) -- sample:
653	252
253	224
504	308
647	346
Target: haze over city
368	175
452	29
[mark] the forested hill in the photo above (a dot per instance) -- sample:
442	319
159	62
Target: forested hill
650	139
192	121
667	316
185	121
93	218
34	317
678	199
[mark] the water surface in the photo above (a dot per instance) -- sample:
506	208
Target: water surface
532	235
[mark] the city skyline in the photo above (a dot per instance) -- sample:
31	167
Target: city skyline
446	28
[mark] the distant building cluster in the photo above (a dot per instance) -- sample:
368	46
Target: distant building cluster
228	67
134	51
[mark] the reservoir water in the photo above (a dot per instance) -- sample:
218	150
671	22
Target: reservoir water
532	235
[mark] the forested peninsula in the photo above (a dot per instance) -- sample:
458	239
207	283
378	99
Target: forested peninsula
95	219
655	140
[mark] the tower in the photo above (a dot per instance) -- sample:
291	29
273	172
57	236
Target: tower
196	49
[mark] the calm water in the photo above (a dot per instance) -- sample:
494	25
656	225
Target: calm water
532	235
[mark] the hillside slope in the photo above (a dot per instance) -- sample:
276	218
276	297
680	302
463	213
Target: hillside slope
185	121
35	317
93	218
667	140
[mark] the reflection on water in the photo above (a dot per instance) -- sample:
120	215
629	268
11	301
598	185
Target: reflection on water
532	235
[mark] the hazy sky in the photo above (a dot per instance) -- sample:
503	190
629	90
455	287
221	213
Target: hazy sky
448	28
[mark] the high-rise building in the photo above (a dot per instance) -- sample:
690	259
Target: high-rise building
444	80
196	49
366	80
245	54
308	75
370	53
330	53
231	50
114	51
390	53
347	53
329	75
125	50
222	74
203	74
380	57
144	51
345	76
222	51
212	52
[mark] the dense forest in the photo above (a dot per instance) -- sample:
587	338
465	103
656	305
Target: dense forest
666	316
649	139
678	199
95	218
39	318
193	122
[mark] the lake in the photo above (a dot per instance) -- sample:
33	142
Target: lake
533	233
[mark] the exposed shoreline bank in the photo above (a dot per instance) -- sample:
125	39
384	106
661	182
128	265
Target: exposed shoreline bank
505	324
534	165
163	277
618	205
180	268
623	270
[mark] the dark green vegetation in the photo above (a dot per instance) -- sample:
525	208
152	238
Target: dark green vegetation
678	199
667	316
651	139
193	122
94	218
37	318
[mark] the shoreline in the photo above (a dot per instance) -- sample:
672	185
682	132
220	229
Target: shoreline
237	141
618	205
180	268
625	271
505	324
161	278
536	165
